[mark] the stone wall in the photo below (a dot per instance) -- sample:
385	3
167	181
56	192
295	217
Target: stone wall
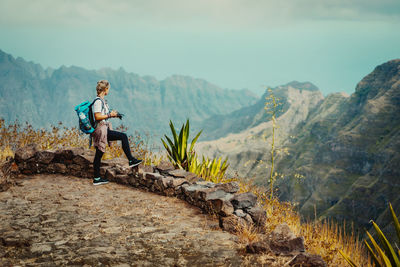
222	200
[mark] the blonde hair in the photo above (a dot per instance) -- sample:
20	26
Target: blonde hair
102	85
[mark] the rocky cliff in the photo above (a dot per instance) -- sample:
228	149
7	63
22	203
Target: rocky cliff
248	149
348	150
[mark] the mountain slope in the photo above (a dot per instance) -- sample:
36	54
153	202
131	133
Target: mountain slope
250	116
250	145
348	150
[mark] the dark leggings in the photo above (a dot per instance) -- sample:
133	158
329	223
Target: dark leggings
112	136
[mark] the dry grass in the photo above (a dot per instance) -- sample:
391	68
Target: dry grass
16	135
324	238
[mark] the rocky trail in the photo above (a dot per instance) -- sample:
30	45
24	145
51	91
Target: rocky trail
62	220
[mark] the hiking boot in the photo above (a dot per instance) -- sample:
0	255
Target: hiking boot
99	180
134	162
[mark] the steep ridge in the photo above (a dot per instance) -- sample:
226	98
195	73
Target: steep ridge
251	145
250	116
348	150
44	97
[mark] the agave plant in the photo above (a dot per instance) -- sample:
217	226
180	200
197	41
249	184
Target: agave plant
178	152
384	255
211	170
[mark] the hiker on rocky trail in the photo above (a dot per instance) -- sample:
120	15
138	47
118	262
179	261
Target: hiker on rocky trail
104	133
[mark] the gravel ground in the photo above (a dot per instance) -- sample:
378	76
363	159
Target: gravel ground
52	220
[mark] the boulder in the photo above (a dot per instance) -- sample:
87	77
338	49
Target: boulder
179	173
258	247
220	205
122	169
44	156
193	191
284	241
177	182
165	166
307	260
74	169
244	200
231	187
57	168
150	179
163	183
146	168
66	155
206	184
25	153
121	179
231	223
207	193
153	176
84	160
258	214
240	213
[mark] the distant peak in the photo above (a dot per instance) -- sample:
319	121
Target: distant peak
302	86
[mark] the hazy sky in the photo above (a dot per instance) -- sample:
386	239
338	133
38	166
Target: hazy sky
231	43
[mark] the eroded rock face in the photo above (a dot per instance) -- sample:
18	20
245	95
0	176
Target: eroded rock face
244	200
25	153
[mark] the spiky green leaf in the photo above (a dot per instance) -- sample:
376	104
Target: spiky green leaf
347	258
396	222
374	256
194	140
381	253
387	248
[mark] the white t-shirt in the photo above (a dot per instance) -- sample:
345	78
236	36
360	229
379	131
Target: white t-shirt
98	107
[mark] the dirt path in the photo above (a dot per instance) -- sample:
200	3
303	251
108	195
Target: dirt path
55	220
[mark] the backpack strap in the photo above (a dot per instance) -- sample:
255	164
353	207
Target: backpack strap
102	103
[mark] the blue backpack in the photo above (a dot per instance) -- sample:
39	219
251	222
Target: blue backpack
87	123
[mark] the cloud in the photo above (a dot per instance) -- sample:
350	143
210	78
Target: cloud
188	13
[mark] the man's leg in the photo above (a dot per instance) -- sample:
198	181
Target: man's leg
115	135
96	166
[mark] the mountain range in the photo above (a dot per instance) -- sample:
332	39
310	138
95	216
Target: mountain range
43	97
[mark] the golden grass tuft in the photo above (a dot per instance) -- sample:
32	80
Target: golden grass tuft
247	233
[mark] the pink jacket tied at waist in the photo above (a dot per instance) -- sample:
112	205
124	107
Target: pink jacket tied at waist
100	135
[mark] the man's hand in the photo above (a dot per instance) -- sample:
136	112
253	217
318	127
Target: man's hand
114	113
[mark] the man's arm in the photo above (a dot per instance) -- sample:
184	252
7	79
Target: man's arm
98	116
